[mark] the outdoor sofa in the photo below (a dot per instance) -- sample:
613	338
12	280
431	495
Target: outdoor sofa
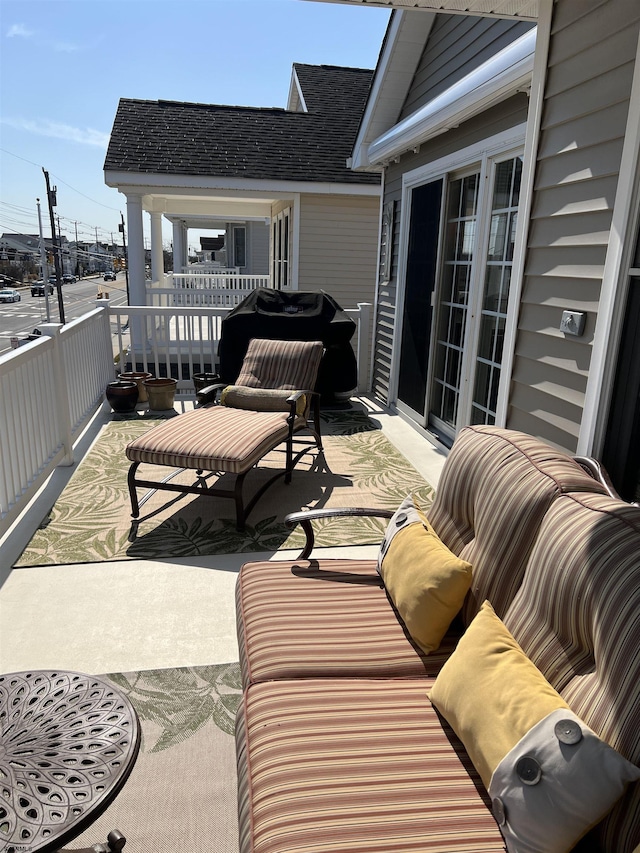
520	728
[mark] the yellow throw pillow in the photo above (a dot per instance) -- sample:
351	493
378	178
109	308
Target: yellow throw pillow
425	580
550	777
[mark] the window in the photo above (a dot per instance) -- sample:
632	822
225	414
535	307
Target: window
280	249
239	246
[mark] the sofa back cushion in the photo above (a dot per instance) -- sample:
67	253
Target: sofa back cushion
577	617
494	491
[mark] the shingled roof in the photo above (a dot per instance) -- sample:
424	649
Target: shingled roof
214	140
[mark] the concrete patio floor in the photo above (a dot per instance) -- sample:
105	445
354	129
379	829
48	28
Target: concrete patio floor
141	614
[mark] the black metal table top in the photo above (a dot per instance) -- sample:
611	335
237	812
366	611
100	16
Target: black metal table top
68	742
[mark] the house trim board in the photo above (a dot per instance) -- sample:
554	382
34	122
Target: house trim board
480	152
532	136
497	79
142	183
615	283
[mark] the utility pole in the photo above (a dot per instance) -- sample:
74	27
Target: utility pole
77	269
52	199
124	249
44	265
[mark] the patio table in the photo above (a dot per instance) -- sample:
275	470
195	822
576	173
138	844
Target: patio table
68	742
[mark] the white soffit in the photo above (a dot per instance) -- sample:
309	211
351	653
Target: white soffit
526	10
500	77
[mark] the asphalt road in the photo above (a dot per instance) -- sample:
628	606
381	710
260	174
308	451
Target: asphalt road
19	319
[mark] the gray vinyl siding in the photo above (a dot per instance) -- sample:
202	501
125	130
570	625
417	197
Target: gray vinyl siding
504	116
590	69
457	44
257	248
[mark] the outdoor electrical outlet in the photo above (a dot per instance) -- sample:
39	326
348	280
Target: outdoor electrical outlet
572	322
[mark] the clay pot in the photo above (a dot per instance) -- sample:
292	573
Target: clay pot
203	380
161	393
138	377
122	396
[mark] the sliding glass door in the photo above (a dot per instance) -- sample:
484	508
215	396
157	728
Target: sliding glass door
459	256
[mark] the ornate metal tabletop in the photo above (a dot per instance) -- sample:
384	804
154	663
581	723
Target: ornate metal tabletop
68	742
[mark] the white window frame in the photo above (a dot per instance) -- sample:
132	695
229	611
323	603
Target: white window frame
498	147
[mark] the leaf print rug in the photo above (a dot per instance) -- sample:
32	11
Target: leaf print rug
182	792
91	520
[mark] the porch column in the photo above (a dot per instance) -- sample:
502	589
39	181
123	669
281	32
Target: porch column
137	288
157	259
179	254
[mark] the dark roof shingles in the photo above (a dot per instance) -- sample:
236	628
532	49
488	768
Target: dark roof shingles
172	137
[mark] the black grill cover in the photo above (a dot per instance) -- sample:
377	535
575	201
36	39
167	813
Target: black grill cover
295	316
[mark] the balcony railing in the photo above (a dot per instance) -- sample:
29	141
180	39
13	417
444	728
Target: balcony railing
222	289
51	387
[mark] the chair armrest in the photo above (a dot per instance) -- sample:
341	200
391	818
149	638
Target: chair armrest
305	517
210	393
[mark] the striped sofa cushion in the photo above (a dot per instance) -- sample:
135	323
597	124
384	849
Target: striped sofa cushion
494	491
212	439
290	365
327	618
577	617
342	766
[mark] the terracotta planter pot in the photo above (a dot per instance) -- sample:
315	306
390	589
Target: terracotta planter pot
202	380
138	377
122	396
161	393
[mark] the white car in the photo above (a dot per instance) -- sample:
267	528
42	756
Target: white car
8	294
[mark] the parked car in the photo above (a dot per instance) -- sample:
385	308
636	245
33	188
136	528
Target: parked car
37	288
67	278
109	276
8	294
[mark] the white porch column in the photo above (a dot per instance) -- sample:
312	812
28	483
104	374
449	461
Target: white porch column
137	285
137	289
157	259
179	247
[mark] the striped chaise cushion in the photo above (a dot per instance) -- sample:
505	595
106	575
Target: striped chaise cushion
290	365
355	766
321	619
577	617
494	491
212	439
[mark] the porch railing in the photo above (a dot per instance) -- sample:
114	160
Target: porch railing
224	289
50	387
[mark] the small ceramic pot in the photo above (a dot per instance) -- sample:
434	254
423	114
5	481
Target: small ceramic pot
138	377
161	393
202	380
122	396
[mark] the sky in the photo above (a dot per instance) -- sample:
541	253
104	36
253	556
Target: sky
64	64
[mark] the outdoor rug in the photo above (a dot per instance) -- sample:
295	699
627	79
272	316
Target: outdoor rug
91	520
182	792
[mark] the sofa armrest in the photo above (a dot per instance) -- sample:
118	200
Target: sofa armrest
599	473
306	517
210	393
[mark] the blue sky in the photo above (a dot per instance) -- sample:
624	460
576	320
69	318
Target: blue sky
65	63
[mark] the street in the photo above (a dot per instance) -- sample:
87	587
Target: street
19	319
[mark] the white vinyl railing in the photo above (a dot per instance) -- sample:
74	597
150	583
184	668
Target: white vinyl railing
222	289
50	387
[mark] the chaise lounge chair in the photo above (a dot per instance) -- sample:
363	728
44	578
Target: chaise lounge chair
273	400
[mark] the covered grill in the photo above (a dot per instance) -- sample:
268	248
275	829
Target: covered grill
298	316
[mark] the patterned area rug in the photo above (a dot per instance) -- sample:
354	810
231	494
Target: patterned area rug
91	520
181	794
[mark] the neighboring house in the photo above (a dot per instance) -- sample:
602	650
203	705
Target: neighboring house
472	124
202	164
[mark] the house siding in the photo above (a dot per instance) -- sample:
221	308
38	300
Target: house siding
338	246
257	248
590	69
338	250
457	44
502	117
